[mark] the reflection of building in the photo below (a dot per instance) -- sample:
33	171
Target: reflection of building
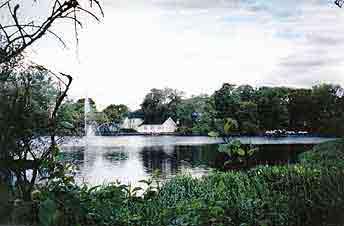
169	126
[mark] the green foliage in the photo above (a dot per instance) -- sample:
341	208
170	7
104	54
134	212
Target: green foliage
305	194
29	121
72	115
230	126
213	134
116	113
328	154
194	105
272	108
159	104
256	110
236	152
47	212
227	101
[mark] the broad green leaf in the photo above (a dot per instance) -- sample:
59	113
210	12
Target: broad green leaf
230	125
213	134
67	125
241	152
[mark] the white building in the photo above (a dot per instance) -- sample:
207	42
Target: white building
131	123
169	126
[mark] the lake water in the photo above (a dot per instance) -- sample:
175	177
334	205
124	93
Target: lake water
129	159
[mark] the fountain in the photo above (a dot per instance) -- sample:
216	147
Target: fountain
89	129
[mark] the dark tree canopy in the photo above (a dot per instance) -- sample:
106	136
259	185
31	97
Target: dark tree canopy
116	113
159	104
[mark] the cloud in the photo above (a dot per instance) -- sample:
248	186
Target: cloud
196	45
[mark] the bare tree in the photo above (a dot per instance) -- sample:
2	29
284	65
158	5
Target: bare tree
16	36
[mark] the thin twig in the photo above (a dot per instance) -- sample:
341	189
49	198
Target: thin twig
35	26
66	10
5	3
88	12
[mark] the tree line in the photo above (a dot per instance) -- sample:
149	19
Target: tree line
318	110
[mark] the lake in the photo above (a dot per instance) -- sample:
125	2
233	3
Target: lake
129	159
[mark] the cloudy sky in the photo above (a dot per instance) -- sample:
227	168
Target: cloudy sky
196	45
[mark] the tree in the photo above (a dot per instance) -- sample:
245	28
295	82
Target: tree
246	93
76	111
69	112
226	101
189	111
248	117
301	109
116	113
159	104
326	108
29	116
29	123
272	108
92	103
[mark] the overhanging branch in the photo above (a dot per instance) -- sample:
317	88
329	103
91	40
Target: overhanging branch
17	38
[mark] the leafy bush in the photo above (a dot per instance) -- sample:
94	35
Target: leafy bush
325	154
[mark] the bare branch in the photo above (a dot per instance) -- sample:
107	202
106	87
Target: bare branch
4	31
5	3
74	19
35	26
20	39
57	2
90	13
15	18
58	104
76	29
339	3
98	4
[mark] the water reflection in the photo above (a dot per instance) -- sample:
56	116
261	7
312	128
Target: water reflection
130	159
98	165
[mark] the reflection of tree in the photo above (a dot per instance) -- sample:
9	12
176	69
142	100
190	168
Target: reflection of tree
197	155
116	156
170	161
280	153
75	156
155	158
112	155
190	154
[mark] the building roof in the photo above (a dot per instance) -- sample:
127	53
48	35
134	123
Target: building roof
157	123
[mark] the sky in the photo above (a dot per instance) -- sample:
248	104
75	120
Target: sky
195	46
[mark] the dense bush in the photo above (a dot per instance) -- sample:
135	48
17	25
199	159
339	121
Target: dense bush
328	154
